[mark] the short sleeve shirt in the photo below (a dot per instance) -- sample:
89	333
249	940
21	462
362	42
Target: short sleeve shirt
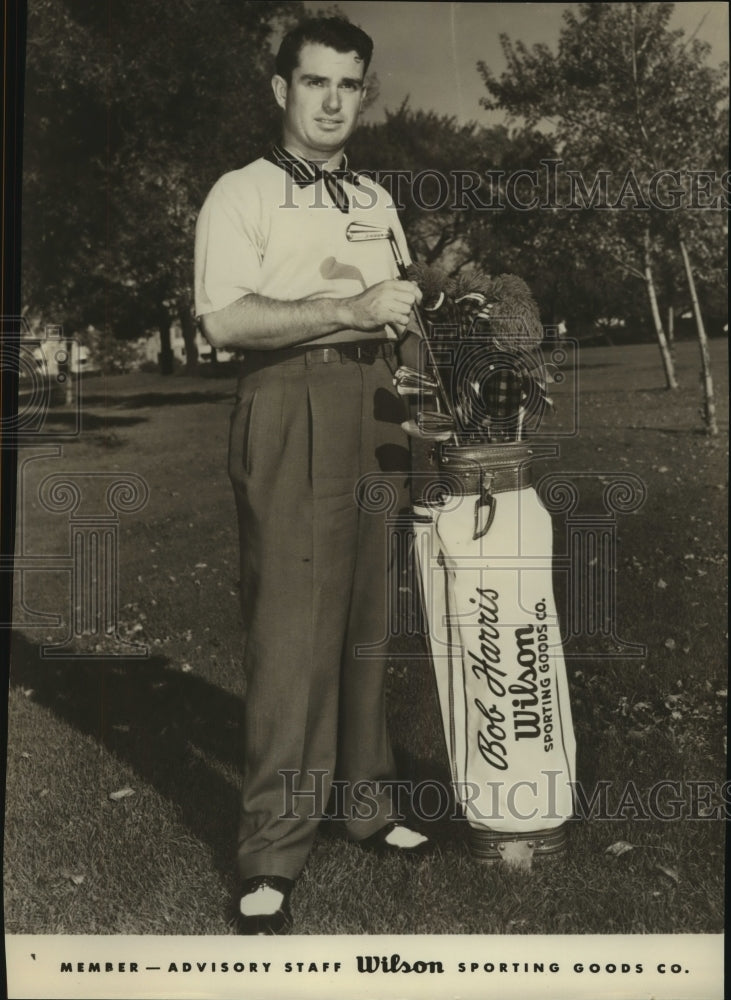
259	232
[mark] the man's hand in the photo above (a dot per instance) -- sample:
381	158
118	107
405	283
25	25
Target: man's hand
388	302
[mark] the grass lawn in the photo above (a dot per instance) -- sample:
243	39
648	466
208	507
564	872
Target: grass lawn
168	727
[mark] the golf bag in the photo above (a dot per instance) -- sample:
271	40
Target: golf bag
483	546
484	555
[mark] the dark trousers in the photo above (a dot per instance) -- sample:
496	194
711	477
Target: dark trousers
314	579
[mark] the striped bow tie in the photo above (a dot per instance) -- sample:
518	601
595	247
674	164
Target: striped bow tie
305	172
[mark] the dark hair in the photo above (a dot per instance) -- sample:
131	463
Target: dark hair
335	32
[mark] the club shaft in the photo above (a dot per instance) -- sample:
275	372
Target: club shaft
422	330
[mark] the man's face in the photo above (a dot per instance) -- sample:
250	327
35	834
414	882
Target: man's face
322	102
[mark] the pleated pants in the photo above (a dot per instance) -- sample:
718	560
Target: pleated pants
315	578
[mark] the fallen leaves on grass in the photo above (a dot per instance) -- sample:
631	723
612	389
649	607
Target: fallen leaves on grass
122	793
618	848
77	879
670	872
641	706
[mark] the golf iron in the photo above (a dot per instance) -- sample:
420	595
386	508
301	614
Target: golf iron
360	232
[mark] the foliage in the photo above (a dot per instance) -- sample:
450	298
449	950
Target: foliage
546	244
132	111
535	245
429	151
455	234
627	95
110	354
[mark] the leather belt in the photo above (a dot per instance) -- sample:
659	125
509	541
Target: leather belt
363	352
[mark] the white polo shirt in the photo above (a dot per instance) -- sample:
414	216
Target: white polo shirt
259	232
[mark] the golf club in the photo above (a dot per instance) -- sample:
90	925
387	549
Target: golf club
359	232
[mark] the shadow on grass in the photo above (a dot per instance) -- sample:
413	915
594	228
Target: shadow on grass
626	390
172	728
178	732
90	421
692	432
143	399
223	369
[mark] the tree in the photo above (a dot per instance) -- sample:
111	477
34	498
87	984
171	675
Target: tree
626	95
538	245
132	111
424	159
418	156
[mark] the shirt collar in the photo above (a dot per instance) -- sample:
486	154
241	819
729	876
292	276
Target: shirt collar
305	172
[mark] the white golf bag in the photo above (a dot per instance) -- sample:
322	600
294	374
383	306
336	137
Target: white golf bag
484	551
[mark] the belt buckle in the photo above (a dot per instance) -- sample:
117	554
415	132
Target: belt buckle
326	355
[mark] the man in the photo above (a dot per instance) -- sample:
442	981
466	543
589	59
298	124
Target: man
317	318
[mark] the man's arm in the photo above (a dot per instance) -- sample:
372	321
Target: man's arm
259	323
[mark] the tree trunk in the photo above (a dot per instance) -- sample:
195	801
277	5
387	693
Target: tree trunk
165	357
64	388
671	332
709	403
69	394
667	361
188	327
